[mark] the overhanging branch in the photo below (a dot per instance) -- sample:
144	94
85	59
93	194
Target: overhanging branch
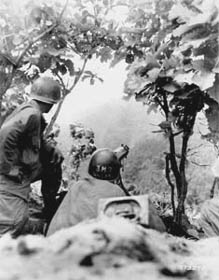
79	75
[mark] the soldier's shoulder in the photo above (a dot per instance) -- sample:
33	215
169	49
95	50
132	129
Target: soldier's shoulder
28	112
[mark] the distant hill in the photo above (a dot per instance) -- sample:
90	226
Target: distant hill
116	122
119	122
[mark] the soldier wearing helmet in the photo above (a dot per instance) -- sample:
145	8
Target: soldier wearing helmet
25	155
104	165
81	201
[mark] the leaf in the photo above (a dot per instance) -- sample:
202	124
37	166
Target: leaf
204	79
196	33
126	97
17	40
178	32
117	58
214	90
92	81
151	62
171	87
88	72
153	74
181	13
105	54
85	77
48	23
55	52
212	115
100	79
182	78
165	125
198	64
70	66
216	67
152	108
134	84
62	69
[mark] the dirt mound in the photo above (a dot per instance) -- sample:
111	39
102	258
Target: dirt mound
107	249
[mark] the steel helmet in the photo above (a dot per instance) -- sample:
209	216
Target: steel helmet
46	89
104	165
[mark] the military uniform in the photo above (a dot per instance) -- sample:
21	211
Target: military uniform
81	202
209	217
21	146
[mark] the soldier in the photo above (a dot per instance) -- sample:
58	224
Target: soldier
81	201
26	157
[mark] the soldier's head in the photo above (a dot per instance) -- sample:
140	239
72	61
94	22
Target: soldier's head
47	92
104	165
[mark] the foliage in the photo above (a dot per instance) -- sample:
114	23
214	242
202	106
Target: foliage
176	73
145	166
171	48
83	146
38	36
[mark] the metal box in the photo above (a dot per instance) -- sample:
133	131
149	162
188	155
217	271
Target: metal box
134	208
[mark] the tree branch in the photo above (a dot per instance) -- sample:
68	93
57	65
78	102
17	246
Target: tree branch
54	117
177	133
184	151
160	104
79	75
165	104
170	183
40	36
33	42
215	182
199	164
67	91
63	10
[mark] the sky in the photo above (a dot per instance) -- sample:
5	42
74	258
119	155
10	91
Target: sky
86	97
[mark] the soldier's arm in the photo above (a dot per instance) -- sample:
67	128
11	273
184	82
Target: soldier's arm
17	138
54	155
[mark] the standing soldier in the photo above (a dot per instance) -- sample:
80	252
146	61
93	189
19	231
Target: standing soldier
26	157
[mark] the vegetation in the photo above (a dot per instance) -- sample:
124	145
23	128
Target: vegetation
55	36
177	73
171	48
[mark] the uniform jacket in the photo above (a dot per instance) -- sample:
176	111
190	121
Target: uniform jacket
81	202
20	143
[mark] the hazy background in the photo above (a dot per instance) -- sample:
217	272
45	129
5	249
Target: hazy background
115	121
101	107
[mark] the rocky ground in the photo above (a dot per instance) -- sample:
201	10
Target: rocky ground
108	249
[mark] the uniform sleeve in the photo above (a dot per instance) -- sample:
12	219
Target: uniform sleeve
11	145
18	135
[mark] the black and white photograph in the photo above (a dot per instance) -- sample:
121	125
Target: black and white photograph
109	139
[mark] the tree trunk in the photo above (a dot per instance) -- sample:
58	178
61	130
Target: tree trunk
183	181
1	117
215	183
54	117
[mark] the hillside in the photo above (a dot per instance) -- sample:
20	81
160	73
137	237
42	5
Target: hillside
114	122
119	122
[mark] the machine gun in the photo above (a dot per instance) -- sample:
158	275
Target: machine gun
138	209
121	153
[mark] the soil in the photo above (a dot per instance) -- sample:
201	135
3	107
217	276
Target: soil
108	249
